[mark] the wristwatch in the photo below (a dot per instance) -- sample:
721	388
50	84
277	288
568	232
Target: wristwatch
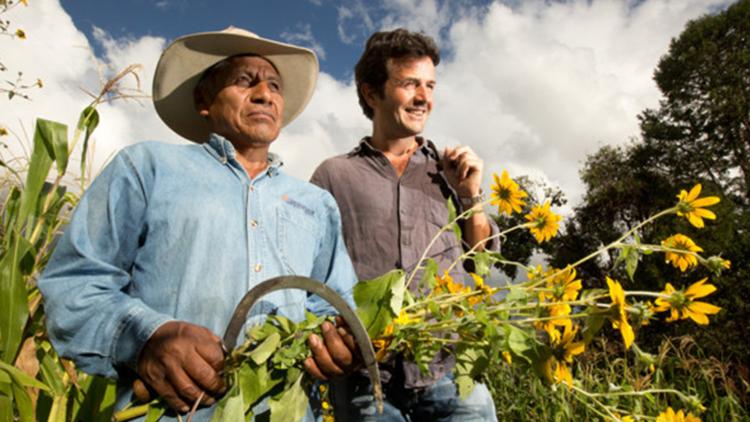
470	201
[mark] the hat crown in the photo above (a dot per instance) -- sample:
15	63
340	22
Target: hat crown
239	31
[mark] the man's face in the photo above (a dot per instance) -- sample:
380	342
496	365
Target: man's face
406	102
247	104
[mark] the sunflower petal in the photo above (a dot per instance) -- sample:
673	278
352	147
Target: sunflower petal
704	308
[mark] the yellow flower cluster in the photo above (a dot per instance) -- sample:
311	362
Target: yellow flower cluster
506	194
682	304
508	197
692	207
561	286
670	415
681	260
543	223
556	368
619	312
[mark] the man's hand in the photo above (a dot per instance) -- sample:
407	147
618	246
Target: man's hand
334	355
180	362
463	169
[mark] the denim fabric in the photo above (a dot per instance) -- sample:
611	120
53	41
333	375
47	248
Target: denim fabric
440	402
181	232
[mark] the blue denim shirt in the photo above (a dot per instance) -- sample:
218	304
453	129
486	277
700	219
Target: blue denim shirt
181	232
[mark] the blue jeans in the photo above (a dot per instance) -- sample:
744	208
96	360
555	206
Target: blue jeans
353	401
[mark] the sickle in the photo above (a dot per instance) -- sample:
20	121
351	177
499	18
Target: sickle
315	287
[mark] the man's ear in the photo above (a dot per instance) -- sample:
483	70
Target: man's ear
199	101
370	94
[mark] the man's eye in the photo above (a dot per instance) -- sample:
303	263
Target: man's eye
242	81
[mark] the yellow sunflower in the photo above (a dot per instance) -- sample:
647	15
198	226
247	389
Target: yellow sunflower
506	194
681	260
682	305
620	315
558	317
669	415
691	207
445	284
542	222
563	350
563	286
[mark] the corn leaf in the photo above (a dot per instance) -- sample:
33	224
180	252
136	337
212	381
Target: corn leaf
14	310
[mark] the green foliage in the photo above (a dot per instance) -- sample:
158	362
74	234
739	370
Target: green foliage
603	369
372	296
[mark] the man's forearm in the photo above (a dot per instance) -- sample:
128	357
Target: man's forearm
476	230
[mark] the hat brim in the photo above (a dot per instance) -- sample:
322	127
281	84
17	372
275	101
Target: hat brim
184	61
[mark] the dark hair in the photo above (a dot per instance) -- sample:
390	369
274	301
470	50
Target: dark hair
397	44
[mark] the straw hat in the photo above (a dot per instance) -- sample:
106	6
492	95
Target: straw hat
184	61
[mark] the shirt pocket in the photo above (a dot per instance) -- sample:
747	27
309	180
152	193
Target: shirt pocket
297	236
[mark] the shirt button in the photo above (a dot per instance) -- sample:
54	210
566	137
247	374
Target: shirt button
253	224
258	267
252	188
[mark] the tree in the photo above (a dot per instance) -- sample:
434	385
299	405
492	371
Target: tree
699	134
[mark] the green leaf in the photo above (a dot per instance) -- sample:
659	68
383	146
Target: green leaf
51	373
21	378
470	364
285	324
4	378
428	276
99	399
482	262
594	323
14	308
260	354
88	121
451	217
46	134
517	294
231	407
59	409
291	405
376	299
255	382
24	407
631	262
155	412
518	341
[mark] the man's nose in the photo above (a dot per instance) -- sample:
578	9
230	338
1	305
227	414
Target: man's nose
261	93
422	94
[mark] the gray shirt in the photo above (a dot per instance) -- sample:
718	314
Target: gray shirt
388	221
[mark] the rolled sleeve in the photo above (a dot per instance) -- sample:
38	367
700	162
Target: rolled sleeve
91	318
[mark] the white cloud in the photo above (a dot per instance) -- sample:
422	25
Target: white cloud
59	54
354	21
532	88
305	38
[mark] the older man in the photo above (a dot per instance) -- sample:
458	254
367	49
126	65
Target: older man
393	221
168	238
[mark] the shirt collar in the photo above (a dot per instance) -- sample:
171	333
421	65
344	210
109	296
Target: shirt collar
223	150
365	145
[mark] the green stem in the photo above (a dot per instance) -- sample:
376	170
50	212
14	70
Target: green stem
131	413
610	245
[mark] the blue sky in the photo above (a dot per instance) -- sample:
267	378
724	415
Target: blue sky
533	86
337	28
